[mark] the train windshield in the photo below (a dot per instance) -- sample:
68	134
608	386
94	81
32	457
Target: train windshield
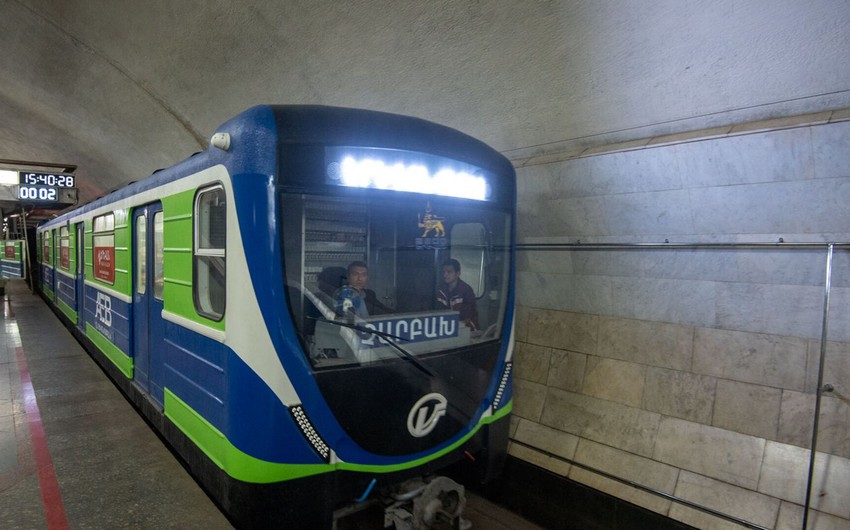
372	279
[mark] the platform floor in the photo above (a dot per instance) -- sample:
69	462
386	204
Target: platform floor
75	454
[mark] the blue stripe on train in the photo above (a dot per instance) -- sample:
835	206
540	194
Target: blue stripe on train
110	316
204	373
66	290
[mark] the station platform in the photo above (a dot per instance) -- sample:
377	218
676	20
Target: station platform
75	454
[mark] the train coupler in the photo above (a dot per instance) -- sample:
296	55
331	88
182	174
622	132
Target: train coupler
421	503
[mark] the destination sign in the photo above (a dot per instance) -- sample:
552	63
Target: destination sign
410	330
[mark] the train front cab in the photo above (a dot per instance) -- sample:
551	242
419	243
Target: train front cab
427	387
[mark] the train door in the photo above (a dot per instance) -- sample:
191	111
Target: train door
80	276
148	333
54	249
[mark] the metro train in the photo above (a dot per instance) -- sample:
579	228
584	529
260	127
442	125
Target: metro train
207	292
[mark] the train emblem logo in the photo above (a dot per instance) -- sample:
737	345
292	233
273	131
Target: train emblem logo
431	222
103	311
425	414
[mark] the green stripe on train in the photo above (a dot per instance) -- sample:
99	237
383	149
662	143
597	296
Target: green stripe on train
67	310
120	359
242	466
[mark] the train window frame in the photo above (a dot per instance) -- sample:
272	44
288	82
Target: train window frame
141	236
465	250
103	248
64	248
207	258
158	255
45	247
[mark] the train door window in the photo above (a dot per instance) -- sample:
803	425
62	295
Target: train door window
64	248
103	243
142	251
158	255
209	252
468	248
46	247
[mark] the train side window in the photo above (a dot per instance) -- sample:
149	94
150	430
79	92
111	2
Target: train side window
209	252
103	241
141	254
469	242
64	248
158	256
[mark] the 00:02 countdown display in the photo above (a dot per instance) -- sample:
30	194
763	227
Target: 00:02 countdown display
38	193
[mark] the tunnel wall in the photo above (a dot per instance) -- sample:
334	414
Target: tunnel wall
690	371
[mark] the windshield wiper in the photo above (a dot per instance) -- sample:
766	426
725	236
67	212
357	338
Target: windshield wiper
404	354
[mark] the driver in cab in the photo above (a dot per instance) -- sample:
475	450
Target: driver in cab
354	299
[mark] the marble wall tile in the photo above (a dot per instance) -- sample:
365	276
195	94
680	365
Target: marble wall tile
529	399
797	419
839	314
553	261
622	464
836	369
840	263
725	498
666	213
747	408
770	360
653	343
834	425
538	459
775	156
790	267
583	294
784	475
680	394
563	330
566	370
575	215
700	265
529	223
546	438
717	453
620	172
521	323
819	204
531	362
619	381
791	518
514	425
681	301
617	425
538	181
775	309
831	156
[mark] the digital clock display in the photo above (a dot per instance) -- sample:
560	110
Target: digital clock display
55	180
38	193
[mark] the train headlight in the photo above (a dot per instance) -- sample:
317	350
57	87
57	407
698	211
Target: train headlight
310	433
503	384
